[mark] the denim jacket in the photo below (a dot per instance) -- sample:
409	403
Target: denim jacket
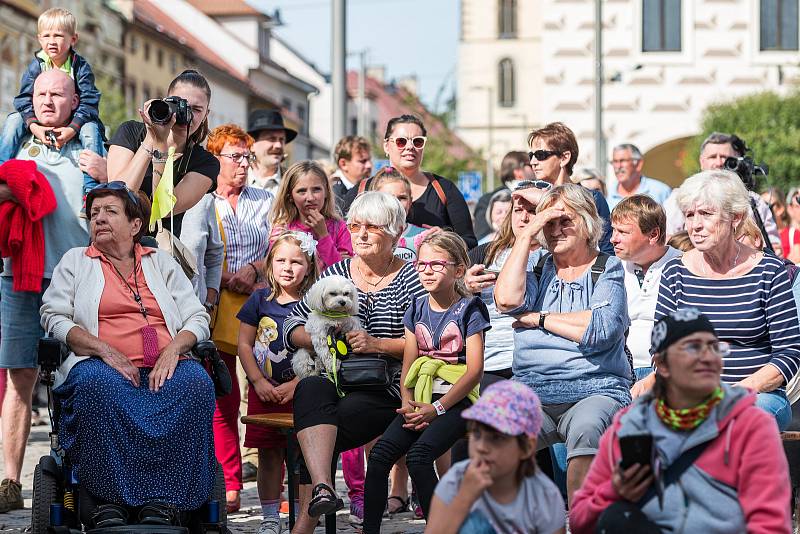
88	95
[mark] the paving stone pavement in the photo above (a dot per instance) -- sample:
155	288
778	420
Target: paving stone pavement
246	521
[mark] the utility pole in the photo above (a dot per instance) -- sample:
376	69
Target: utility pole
338	71
362	94
489	163
599	140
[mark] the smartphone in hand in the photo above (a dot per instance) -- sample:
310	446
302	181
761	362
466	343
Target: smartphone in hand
637	449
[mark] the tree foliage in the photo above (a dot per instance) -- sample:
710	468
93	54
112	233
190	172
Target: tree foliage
113	110
769	123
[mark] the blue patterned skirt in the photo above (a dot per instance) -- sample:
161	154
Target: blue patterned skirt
132	446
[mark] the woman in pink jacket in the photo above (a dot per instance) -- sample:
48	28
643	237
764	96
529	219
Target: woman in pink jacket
699	456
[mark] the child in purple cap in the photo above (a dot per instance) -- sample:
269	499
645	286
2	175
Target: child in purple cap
499	490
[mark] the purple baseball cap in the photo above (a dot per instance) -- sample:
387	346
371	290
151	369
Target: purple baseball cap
509	407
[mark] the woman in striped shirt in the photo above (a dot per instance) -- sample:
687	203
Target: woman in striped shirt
745	293
325	423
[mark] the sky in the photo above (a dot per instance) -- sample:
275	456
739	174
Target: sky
406	36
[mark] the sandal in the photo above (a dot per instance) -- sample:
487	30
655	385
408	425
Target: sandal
109	515
324	503
397	509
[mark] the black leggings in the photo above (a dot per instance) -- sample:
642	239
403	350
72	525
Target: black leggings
421	450
359	416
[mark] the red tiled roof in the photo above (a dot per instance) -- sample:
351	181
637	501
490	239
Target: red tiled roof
393	101
225	7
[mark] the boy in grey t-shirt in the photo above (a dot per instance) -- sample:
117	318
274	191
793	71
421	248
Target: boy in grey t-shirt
499	490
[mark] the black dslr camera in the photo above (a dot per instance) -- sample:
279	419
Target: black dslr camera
747	170
161	111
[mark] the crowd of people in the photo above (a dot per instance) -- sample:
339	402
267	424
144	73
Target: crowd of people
574	351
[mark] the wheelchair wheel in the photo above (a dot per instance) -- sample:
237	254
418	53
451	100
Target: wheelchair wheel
45	492
218	494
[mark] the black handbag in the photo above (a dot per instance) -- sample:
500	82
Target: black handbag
366	373
206	352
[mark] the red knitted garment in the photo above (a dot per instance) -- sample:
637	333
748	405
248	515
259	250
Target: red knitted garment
21	230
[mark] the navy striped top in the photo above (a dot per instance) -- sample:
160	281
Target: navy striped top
381	313
755	313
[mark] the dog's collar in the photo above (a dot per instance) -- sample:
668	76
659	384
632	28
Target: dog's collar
332	315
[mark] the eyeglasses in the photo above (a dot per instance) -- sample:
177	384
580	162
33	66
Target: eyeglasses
355	228
696	348
538	184
116	185
237	157
418	142
436	265
542	155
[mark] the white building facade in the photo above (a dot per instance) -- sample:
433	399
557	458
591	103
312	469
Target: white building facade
665	62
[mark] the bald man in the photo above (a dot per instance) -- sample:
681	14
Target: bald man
54	101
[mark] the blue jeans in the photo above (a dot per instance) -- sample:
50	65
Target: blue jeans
641	372
14	131
20	325
776	404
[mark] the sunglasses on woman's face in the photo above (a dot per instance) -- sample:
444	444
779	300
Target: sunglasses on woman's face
116	185
355	228
542	155
417	142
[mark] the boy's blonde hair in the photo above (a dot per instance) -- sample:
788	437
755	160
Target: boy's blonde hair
58	18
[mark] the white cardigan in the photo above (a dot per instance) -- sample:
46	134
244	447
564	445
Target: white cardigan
76	286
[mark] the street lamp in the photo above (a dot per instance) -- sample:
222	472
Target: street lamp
490	108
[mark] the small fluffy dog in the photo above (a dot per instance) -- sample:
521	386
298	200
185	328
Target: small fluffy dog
334	306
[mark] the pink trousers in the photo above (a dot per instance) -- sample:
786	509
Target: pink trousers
226	430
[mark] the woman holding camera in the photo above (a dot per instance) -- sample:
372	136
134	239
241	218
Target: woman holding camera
138	151
695	455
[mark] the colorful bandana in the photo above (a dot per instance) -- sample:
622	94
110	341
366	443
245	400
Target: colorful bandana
509	407
688	418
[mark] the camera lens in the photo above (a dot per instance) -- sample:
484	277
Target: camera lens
159	112
731	163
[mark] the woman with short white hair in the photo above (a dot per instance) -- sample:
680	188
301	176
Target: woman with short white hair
569	337
325	423
745	293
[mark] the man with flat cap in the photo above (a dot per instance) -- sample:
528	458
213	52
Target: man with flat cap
271	135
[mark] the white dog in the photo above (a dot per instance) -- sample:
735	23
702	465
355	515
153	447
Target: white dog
334	305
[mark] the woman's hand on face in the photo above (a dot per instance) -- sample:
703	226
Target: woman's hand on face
266	391
164	368
316	221
632	483
156	132
361	342
243	281
476	279
122	364
540	220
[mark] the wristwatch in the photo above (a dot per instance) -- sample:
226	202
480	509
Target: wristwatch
208	306
439	408
542	316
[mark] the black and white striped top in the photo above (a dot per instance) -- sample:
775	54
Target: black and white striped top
755	313
381	313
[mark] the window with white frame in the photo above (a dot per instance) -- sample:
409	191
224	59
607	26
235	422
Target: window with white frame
507	19
661	25
505	82
778	24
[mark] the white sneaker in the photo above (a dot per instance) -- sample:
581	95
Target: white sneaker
270	525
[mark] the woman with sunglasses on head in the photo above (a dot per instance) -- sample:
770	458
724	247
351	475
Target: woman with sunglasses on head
240	213
436	201
694	455
138	150
327	424
554	151
133	403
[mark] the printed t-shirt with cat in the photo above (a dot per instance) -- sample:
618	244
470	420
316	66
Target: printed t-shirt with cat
267	316
443	335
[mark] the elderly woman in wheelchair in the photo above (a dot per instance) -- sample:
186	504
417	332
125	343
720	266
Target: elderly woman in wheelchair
134	407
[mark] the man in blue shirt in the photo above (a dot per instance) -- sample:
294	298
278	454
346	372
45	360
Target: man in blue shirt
627	161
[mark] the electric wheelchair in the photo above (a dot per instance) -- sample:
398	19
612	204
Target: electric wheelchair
59	503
